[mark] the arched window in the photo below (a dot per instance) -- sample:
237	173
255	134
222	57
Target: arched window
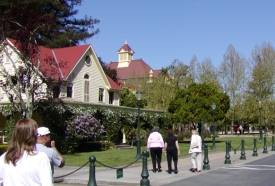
88	60
86	87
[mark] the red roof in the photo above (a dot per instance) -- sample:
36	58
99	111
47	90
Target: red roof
70	56
136	68
113	84
59	63
126	47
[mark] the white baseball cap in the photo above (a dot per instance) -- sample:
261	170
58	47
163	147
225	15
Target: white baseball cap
42	131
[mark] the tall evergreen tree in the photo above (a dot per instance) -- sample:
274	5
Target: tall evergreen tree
59	28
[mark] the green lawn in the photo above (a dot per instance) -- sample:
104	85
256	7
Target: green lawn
236	143
120	157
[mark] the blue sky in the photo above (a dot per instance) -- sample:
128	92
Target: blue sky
160	31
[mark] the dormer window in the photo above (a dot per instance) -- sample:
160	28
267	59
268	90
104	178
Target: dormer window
88	60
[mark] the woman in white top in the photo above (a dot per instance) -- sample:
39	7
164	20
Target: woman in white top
195	151
22	164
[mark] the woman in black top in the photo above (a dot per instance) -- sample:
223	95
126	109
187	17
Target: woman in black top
172	151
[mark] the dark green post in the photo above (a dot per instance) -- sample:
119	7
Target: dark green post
265	147
227	155
138	96
206	165
92	181
202	131
273	145
255	153
261	127
144	174
213	127
229	145
243	157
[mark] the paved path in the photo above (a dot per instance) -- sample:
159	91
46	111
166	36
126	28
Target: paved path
254	173
132	174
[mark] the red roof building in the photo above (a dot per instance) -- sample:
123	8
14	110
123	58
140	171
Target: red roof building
78	67
129	68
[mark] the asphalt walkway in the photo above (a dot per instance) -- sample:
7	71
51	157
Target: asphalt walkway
132	174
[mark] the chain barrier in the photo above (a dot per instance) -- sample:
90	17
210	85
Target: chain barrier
72	171
98	163
235	148
120	167
249	145
268	143
260	142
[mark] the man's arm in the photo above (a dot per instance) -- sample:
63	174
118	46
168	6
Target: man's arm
59	155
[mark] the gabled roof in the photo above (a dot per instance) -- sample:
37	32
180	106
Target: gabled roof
114	85
137	68
126	47
71	56
63	60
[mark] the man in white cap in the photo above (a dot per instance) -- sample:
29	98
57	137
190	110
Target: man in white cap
44	144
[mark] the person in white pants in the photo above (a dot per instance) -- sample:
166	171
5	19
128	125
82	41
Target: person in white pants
195	151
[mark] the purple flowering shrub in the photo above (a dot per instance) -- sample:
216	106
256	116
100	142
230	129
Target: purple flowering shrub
83	127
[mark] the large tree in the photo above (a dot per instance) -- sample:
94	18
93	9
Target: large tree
178	73
204	71
62	28
261	84
232	76
195	102
158	91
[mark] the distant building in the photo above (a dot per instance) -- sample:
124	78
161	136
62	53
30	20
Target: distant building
129	68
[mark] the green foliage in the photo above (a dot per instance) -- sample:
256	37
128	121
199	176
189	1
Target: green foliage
107	145
54	115
113	120
261	85
127	98
66	147
3	148
194	103
179	71
207	134
132	136
10	122
184	135
55	21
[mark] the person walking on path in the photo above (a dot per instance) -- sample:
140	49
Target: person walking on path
22	164
195	151
155	145
235	129
172	151
241	129
44	144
